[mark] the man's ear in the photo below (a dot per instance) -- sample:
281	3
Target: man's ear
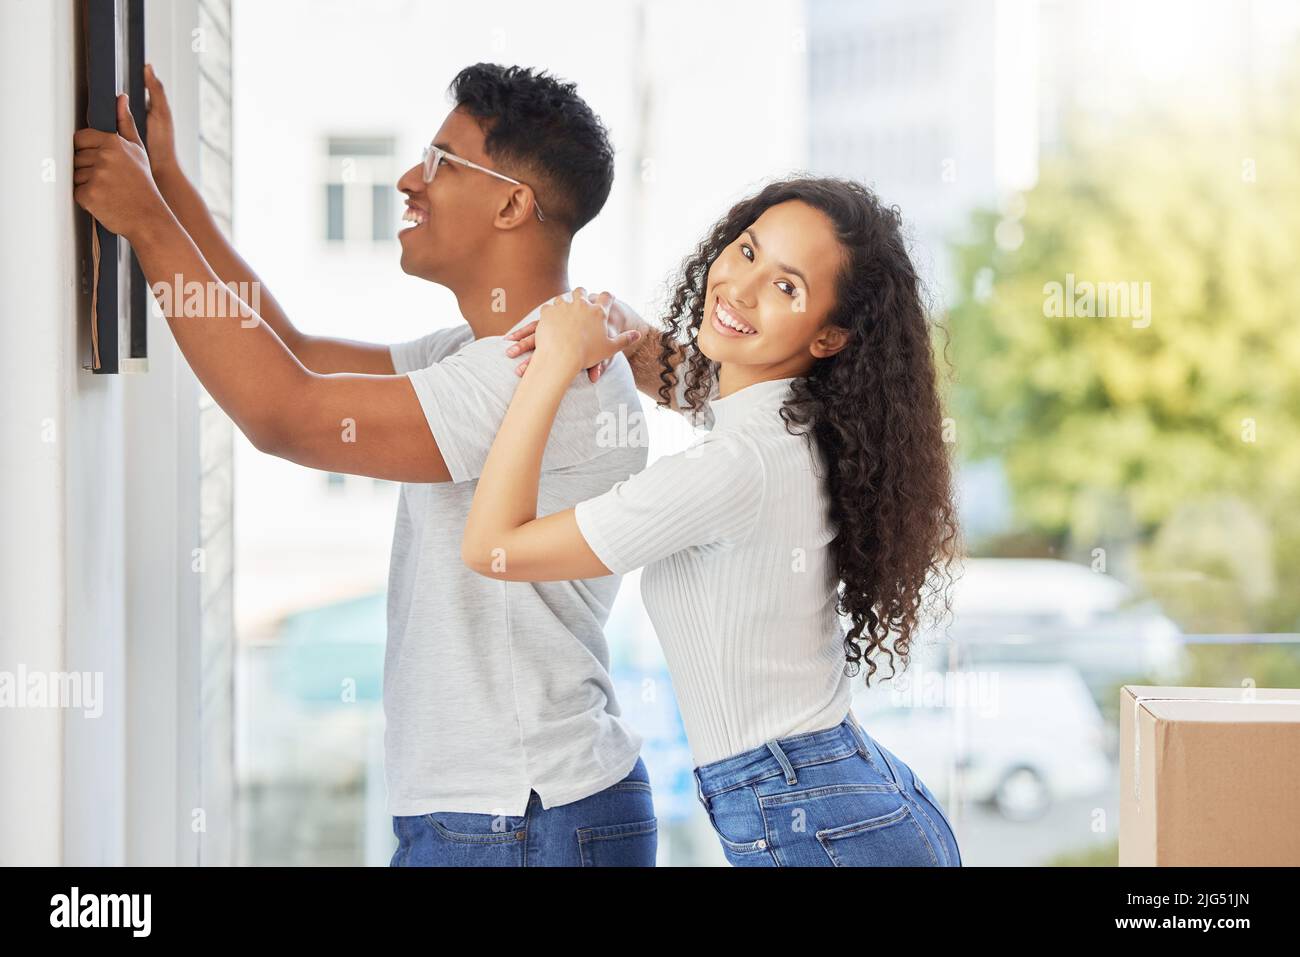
516	210
829	341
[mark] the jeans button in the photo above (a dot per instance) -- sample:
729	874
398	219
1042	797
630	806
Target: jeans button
761	845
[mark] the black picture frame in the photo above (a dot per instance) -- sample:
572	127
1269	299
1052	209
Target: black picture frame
115	57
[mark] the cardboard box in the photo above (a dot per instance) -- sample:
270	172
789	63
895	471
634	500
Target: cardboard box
1209	777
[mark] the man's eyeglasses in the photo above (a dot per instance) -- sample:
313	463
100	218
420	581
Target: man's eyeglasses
434	157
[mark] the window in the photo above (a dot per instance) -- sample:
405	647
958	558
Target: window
334	211
360	183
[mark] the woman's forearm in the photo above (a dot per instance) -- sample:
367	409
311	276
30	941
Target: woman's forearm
506	496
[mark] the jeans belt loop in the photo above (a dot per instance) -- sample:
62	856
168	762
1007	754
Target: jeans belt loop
777	753
860	734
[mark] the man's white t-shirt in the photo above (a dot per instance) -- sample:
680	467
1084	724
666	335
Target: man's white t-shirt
492	688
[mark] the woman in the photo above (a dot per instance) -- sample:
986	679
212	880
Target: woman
823	488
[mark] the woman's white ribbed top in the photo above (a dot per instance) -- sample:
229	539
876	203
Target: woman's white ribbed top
739	584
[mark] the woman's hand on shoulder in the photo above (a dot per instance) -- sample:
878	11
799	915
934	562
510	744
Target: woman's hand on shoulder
621	318
574	331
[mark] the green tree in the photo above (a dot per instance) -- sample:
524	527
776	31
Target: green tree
1178	436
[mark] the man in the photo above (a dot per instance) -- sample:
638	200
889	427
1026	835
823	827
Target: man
504	744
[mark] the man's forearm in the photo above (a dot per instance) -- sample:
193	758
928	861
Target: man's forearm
646	365
241	360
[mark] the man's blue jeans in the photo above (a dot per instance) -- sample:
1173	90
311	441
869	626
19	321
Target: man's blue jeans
615	827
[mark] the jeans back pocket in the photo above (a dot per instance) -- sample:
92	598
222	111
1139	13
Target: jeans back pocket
895	839
619	845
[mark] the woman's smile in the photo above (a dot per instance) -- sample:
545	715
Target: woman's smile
727	322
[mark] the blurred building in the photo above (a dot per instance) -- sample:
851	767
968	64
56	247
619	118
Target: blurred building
947	105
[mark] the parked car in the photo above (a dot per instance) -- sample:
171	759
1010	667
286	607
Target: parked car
1050	611
1017	736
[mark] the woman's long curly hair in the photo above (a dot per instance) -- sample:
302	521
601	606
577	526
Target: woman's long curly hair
873	408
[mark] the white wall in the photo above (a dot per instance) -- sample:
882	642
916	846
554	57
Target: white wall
99	497
38	359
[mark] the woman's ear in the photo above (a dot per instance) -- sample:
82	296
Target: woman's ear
830	340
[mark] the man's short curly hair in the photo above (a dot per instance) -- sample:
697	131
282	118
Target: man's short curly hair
539	130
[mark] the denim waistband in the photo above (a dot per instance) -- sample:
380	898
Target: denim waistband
783	756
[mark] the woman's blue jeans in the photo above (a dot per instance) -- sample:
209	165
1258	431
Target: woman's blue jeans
615	827
832	798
